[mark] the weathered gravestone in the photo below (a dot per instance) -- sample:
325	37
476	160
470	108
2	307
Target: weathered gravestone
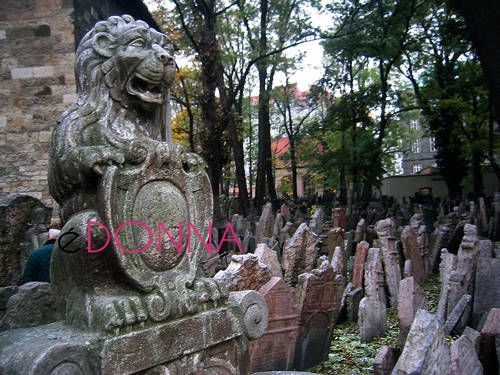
461	280
374	276
16	214
275	350
411	299
426	350
265	226
459	316
244	272
372	318
439	238
414	241
359	264
33	304
487	287
464	359
490	332
446	267
390	258
269	257
130	305
384	361
338	218
299	254
319	295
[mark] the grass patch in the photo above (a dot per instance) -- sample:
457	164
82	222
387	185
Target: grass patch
349	355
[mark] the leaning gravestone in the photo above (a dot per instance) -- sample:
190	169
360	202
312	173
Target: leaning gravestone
16	213
426	350
487	287
244	272
411	299
275	350
130	305
319	296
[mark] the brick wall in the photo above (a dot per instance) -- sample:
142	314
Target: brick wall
37	82
36	85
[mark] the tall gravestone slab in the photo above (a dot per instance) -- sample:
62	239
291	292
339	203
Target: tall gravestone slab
415	247
275	350
16	213
265	227
372	318
319	304
487	287
390	256
411	299
299	254
426	350
446	267
132	304
359	264
374	276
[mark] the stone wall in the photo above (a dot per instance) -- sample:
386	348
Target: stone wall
36	84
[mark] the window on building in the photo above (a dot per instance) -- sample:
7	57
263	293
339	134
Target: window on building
417	167
414	125
415	147
432	144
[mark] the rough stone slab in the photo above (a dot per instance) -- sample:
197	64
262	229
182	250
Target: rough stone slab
411	298
464	359
339	261
485	249
319	297
474	336
5	293
353	298
34	304
489	332
265	226
275	350
487	287
458	314
439	239
412	250
243	273
140	350
384	361
426	350
299	254
390	257
374	276
372	319
269	257
446	267
359	264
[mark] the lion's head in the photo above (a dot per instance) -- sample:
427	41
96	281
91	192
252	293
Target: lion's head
127	58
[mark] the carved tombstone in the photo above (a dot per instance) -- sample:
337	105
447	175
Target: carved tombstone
130	291
413	239
244	272
275	350
319	301
359	264
265	227
390	257
299	254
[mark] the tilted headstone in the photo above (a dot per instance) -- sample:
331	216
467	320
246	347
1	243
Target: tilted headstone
384	361
461	280
439	239
464	359
131	295
459	316
244	272
317	221
318	299
487	287
413	238
372	319
275	350
299	254
339	262
446	267
33	304
269	258
426	350
490	332
390	256
411	299
360	233
265	226
339	218
16	213
374	276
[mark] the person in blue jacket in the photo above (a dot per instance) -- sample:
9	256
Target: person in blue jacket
38	265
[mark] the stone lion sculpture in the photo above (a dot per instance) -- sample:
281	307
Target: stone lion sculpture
111	164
